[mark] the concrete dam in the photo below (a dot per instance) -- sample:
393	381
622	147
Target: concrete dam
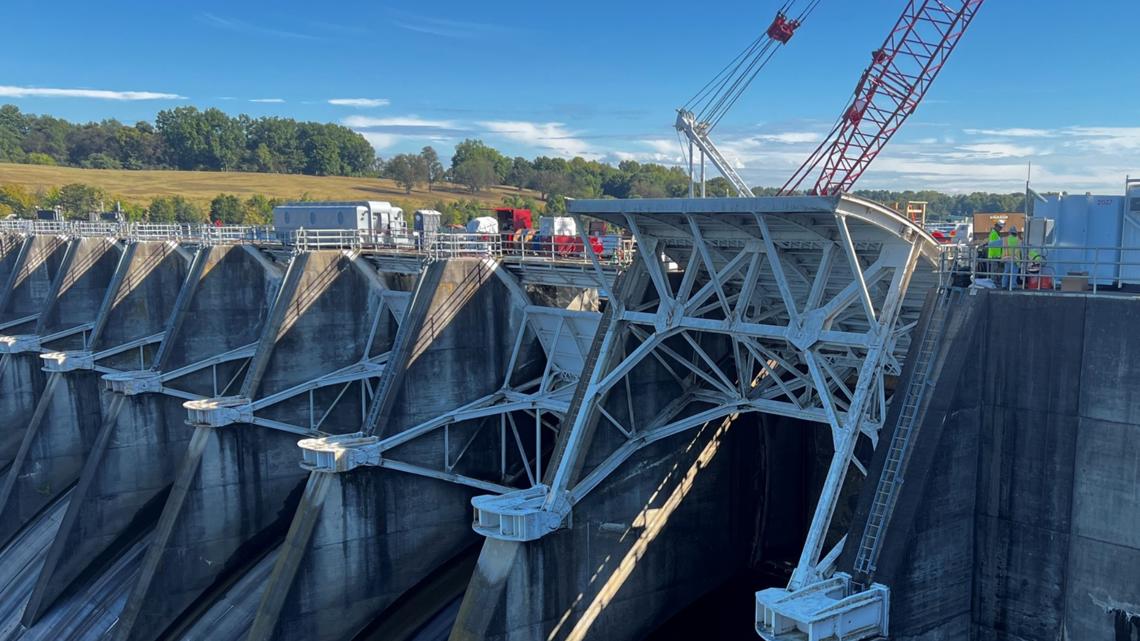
776	419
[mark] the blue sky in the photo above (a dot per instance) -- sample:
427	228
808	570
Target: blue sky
1052	82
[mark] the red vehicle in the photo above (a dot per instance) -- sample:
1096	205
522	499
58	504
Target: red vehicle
516	227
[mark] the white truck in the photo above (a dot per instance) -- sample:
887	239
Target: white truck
375	219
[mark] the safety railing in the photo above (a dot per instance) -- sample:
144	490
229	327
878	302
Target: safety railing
1042	268
610	250
179	232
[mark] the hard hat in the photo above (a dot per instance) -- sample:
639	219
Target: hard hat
999	224
1013	230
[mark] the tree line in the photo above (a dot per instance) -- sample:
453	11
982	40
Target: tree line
188	139
76	201
477	166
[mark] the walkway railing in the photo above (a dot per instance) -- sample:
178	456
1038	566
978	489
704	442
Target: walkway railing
610	250
1042	268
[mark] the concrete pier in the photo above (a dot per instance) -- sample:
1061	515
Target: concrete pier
126	334
239	482
30	266
363	537
69	411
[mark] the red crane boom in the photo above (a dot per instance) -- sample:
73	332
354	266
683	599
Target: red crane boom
889	91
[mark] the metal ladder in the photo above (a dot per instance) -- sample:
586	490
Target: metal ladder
886	493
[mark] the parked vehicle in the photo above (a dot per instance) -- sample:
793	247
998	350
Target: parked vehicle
374	219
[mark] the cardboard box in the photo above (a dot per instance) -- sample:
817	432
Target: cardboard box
1075	282
983	223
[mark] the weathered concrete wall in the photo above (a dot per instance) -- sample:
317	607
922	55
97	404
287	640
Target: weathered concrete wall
239	485
31	268
335	304
136	300
30	279
145	291
131	459
363	538
1024	528
78	293
10	245
67	415
235	494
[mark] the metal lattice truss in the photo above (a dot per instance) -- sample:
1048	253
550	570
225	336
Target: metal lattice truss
796	307
362	376
525	413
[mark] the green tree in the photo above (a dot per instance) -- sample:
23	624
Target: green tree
549	182
471	150
13	127
45	135
77	200
38	158
225	140
434	167
228	209
408	170
476	175
17	200
258	210
521	173
175	209
101	161
183	132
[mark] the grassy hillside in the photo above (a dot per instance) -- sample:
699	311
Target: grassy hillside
202	186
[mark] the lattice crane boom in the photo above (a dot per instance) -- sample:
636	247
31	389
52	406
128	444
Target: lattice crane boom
889	91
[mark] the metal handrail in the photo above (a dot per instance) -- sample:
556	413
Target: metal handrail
609	250
1042	267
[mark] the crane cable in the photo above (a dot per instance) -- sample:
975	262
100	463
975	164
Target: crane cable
720	94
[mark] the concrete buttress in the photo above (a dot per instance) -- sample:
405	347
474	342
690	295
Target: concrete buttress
68	413
238	485
110	493
30	265
364	537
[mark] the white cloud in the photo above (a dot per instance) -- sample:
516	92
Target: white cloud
364	103
792	137
547	136
447	28
398	121
238	26
380	142
271	101
993	150
1108	139
7	91
1015	132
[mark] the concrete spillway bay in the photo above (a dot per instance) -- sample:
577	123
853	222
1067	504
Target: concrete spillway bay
1018	520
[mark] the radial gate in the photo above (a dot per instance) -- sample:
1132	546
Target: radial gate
797	307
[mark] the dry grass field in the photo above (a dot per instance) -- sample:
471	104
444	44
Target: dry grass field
202	186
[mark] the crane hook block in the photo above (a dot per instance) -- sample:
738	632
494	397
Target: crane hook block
782	29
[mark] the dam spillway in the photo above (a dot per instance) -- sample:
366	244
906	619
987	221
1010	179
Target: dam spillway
227	437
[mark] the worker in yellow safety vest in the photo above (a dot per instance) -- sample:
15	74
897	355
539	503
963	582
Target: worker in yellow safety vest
1011	257
993	251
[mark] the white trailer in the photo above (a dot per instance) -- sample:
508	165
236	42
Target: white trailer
374	218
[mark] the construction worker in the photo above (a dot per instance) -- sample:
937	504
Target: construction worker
1011	257
994	251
